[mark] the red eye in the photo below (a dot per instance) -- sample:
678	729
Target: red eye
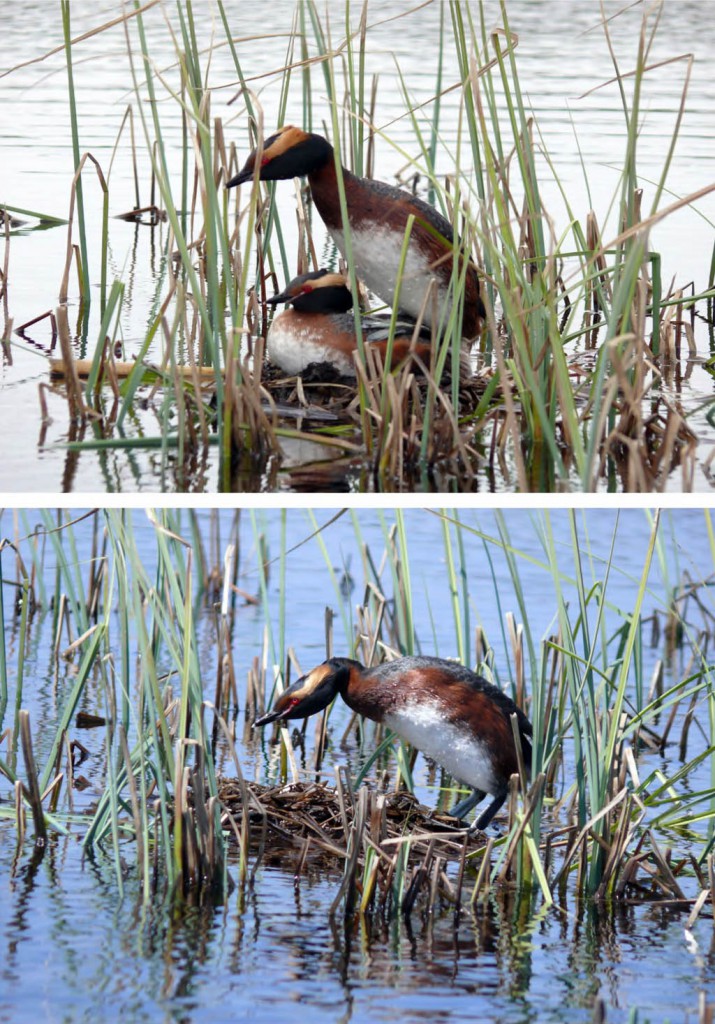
294	701
306	288
265	160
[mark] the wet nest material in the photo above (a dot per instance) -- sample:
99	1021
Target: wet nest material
321	387
321	822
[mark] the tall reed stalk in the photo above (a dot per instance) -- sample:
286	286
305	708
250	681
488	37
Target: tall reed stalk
65	8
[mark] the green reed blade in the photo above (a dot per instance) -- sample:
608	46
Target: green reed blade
74	123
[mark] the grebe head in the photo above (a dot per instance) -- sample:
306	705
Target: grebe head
319	291
311	693
290	153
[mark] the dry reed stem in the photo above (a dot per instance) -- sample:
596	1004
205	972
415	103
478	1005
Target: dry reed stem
198	375
71	249
49	315
32	792
579	844
75	401
20	816
484	874
515	844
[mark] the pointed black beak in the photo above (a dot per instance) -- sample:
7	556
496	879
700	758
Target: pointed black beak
245	175
270	716
284	296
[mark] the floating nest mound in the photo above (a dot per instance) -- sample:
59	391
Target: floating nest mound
321	390
367	836
320	398
389	850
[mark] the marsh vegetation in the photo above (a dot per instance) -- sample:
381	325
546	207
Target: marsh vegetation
137	654
590	329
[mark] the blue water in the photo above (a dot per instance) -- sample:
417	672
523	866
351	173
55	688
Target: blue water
73	948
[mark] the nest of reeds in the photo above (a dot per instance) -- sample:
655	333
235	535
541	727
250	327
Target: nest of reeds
418	432
321	816
321	387
383	843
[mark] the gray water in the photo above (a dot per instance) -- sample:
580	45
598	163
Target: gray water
74	949
561	55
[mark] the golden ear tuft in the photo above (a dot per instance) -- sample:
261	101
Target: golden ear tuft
284	139
315	677
330	281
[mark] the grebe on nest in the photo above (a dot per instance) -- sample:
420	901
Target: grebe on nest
378	215
321	329
442	708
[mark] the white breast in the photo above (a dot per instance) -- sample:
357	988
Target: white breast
293	347
376	255
423	725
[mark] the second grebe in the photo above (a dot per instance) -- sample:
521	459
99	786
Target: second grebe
378	215
320	329
442	708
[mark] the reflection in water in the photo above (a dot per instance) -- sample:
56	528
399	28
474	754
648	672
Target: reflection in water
274	948
23	884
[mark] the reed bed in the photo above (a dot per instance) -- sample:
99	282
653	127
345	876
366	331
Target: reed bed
142	646
566	389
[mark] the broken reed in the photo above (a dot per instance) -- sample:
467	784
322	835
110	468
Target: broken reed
591	821
560	424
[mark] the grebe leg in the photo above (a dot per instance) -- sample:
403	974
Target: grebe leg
488	813
464	806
